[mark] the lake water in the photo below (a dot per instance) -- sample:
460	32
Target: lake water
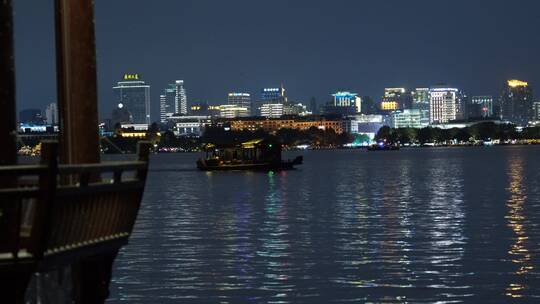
441	225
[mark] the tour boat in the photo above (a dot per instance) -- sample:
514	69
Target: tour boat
382	146
257	155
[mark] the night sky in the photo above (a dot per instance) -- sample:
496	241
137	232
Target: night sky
314	47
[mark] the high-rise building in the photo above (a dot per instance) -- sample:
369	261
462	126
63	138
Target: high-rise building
273	95
240	99
516	102
348	99
395	99
481	106
51	114
344	103
167	103
536	107
134	95
181	104
443	104
420	99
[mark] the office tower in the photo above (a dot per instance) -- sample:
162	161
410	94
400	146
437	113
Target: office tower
395	99
240	99
443	104
273	95
481	106
420	99
134	95
31	116
536	107
181	105
167	103
516	102
346	103
51	114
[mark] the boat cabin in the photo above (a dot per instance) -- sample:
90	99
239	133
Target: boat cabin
250	152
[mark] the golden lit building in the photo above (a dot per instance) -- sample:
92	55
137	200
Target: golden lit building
273	125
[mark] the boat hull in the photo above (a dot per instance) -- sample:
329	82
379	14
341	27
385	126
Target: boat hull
284	165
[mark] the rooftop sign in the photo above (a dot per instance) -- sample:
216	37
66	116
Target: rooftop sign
131	76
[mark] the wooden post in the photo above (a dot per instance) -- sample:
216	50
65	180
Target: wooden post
77	82
13	284
79	136
8	128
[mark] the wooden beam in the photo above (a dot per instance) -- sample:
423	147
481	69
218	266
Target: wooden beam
8	118
77	81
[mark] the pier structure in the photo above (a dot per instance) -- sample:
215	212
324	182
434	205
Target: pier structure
70	211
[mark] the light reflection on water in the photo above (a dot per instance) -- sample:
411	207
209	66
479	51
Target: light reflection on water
428	226
517	221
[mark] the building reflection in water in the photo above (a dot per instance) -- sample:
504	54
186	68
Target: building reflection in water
516	220
276	247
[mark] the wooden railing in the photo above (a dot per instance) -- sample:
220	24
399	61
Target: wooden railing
56	215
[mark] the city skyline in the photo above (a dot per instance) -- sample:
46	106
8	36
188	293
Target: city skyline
302	55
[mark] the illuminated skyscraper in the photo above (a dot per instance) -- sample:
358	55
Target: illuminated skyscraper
134	95
181	105
172	101
167	103
443	104
240	99
395	99
345	99
273	95
516	102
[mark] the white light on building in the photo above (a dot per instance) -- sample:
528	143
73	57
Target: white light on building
443	105
272	110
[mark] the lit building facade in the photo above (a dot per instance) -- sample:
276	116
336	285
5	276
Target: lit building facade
408	118
536	108
167	103
516	103
241	100
420	99
296	109
443	104
232	111
134	95
272	110
395	99
481	106
181	105
189	125
273	125
273	95
345	99
51	114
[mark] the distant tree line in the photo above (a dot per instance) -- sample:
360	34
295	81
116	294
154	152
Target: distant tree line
480	132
